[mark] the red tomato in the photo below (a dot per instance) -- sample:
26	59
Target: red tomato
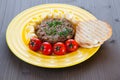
59	48
34	44
46	48
71	45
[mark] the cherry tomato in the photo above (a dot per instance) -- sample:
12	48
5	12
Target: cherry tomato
46	48
59	48
34	44
71	45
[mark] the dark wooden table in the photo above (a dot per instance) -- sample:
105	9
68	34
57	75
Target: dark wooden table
104	65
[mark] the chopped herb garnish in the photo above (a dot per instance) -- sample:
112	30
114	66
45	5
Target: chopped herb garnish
50	24
52	27
65	32
51	31
47	31
54	23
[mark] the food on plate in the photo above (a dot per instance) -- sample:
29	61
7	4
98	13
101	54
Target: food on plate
71	45
59	48
55	30
61	35
34	44
53	33
92	33
46	48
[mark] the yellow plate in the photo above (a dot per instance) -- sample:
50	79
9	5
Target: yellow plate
17	42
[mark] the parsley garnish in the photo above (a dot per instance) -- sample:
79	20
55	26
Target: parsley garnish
51	31
52	27
65	32
54	23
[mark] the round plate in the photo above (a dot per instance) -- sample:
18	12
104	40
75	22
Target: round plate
17	43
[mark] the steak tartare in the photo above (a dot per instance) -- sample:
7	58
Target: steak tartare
55	30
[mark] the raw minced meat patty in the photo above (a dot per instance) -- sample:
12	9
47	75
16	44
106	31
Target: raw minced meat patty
54	30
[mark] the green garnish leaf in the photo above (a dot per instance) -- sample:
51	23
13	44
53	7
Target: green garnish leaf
47	31
65	32
51	31
54	23
50	24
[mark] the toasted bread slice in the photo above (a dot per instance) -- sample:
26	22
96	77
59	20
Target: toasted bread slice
92	33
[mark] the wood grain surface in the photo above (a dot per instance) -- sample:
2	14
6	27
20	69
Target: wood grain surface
104	65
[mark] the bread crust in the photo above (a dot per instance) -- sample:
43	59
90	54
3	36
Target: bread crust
85	42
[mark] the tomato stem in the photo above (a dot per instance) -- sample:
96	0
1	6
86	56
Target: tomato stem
31	43
71	45
42	48
58	48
